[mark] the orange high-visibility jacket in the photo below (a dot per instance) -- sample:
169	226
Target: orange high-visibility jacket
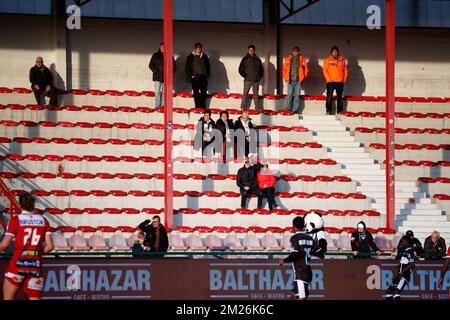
335	70
303	70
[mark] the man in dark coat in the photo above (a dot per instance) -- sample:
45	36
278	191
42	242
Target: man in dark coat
41	80
434	246
251	69
157	66
247	183
413	242
197	73
155	234
205	134
362	242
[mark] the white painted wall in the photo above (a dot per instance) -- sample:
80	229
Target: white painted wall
114	54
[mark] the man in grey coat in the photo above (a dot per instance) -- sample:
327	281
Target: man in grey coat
251	69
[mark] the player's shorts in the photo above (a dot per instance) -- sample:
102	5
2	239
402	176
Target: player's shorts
33	286
301	289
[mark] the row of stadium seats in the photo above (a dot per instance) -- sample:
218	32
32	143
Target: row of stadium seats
411	146
156	193
222	95
419	115
151	142
203	240
161	176
403	131
425	163
209	211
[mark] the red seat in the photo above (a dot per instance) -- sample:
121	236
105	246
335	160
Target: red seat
350	114
66	229
225	211
321	195
15	106
261	211
289	178
332	230
336	212
420	99
221	229
22	90
212	194
285	195
371	213
90	108
435	115
430	146
100	193
203	229
386	230
427	163
148	93
132	93
114	93
67	175
74	211
54	211
207	211
130	211
5	90
444	163
137	193
111	158
441	196
339	195
444	146
436	131
244	211
27	175
299	129
184	229
295	144
412	146
366	114
328	162
357	196
106	229
59	193
126	229
31	157
80	193
342	179
403	99
187	211
109	109
93	211
129	159
292	161
324	178
112	211
418	115
310	161
306	178
363	130
353	213
301	195
410	163
298	212
8	175
377	146
257	229
313	145
151	211
443	180
401	115
78	141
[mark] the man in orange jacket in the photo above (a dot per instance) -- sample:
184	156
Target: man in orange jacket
336	73
295	71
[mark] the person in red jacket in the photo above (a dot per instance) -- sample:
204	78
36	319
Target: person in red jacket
266	183
335	72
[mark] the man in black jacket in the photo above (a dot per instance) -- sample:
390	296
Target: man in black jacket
157	66
198	72
42	82
362	242
434	246
206	134
246	181
155	234
251	69
414	243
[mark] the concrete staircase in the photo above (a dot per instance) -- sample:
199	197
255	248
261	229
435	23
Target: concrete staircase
414	210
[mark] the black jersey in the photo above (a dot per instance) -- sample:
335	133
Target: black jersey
407	257
301	245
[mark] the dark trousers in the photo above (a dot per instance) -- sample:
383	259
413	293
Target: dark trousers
51	94
247	85
200	87
246	193
339	87
269	193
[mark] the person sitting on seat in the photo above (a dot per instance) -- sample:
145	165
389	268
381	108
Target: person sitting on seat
42	82
266	182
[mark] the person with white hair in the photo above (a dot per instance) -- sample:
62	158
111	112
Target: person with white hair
434	246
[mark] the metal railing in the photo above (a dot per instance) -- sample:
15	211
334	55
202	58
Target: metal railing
14	206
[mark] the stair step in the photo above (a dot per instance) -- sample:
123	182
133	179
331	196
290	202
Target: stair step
346	155
426	223
367	178
354	160
383	183
423	217
347	150
367	172
340	134
411	212
352	166
332	138
323	128
428	230
399	195
339	144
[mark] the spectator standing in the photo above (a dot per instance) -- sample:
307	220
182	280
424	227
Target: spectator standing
362	242
434	246
204	137
251	69
245	130
155	234
266	182
246	181
295	71
226	127
41	80
336	72
197	72
157	66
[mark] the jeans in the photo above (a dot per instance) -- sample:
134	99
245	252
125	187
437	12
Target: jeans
293	89
247	85
200	87
51	94
270	194
246	193
339	87
159	88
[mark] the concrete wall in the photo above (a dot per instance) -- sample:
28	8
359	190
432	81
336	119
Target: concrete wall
114	54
